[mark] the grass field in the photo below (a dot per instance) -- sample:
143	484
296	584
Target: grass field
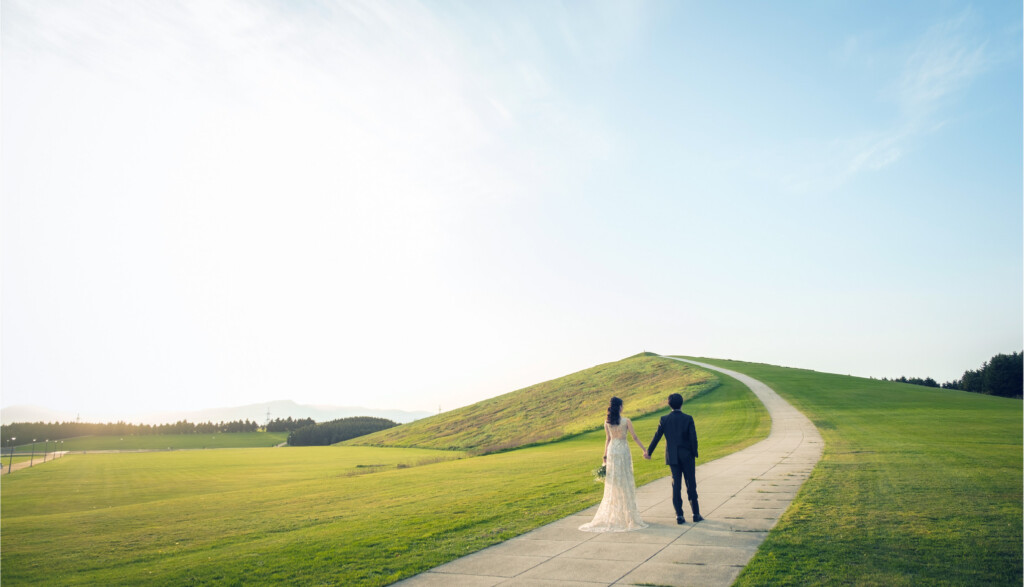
917	486
163	442
551	410
311	515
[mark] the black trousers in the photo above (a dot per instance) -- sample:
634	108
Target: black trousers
684	470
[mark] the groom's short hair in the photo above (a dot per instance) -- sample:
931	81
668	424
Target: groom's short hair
675	401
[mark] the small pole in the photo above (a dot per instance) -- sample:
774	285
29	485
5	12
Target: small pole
11	461
32	459
46	446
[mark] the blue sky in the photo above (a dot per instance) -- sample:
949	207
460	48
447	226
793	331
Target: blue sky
413	205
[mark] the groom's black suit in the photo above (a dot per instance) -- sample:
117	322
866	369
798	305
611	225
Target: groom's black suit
680	453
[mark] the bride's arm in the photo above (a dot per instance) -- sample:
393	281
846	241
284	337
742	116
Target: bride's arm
607	439
629	424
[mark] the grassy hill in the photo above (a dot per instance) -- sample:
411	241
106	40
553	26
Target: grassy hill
917	486
338	515
551	410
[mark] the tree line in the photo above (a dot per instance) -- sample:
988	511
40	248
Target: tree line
287	424
59	430
927	381
328	433
1002	375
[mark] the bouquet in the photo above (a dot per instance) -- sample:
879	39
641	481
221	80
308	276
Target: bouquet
599	473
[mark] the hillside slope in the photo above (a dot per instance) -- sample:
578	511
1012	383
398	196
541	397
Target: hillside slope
551	410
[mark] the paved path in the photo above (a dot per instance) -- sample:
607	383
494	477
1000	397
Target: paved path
742	496
32	462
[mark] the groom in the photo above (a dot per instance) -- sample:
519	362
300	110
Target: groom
680	453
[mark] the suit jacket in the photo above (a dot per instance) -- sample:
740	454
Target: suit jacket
680	437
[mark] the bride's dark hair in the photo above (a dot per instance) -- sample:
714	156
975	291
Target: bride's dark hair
614	407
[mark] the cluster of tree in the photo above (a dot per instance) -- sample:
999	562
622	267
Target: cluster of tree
337	430
1003	375
59	430
927	381
287	424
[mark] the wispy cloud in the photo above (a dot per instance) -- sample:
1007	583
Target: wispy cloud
946	59
936	67
943	61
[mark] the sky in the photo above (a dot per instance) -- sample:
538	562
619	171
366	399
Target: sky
419	205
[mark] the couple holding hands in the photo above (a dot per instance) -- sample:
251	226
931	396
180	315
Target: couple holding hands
618	510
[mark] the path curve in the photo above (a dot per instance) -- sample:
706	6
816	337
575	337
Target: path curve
742	496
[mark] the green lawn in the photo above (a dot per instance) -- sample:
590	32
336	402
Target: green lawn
917	486
551	410
162	442
311	515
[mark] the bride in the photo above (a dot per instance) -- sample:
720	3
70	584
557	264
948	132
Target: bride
618	511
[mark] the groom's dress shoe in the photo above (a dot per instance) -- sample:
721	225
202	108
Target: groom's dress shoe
697	517
680	520
696	510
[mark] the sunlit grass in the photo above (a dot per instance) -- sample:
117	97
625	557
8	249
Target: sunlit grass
311	515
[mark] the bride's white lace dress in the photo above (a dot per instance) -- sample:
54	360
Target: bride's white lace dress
618	511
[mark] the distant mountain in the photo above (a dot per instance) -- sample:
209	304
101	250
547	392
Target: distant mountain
254	412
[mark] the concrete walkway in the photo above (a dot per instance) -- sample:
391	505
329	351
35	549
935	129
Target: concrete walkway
742	496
